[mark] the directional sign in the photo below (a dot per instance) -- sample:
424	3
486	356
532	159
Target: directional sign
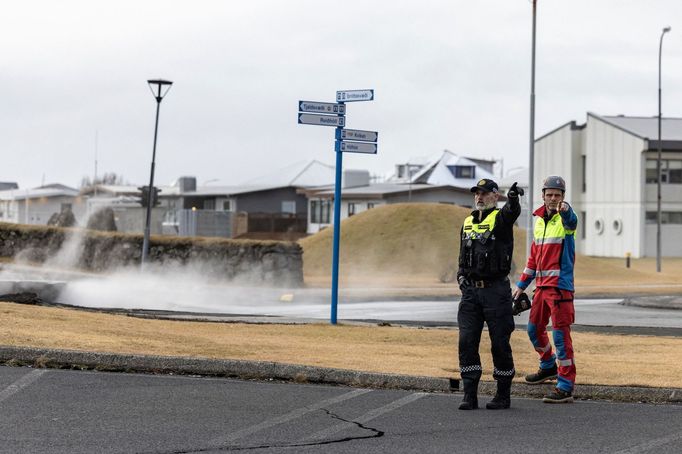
321	107
354	95
356	134
356	147
321	120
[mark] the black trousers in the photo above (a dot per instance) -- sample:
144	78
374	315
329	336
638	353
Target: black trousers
492	305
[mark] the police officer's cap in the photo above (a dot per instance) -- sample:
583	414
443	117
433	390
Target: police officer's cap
486	185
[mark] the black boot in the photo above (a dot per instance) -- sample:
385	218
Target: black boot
470	400
502	399
542	375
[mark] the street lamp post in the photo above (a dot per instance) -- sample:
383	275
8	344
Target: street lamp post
162	87
658	160
531	157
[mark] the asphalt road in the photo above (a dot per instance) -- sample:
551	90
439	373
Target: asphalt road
57	411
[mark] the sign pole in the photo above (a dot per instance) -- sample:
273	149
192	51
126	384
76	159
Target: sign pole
347	141
337	234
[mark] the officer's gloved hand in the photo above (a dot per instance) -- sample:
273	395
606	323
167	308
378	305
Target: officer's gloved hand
515	191
463	283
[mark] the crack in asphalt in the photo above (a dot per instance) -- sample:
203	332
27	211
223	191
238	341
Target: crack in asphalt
376	434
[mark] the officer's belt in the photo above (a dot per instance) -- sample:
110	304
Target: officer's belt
486	283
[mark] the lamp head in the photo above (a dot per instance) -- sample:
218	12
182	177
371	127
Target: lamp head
666	29
162	87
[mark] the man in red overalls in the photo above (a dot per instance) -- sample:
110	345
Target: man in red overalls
551	260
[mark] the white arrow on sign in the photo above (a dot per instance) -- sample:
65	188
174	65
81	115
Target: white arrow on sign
321	120
356	147
354	95
357	134
321	107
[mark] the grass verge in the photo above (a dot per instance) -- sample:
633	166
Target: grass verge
601	358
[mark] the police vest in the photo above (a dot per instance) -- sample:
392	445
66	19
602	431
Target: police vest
481	253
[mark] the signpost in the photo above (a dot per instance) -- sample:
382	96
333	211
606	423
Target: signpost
347	140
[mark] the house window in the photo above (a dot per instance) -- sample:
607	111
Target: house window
667	217
583	220
584	172
671	171
351	209
289	206
370	205
465	171
65	207
209	204
674	171
227	205
320	211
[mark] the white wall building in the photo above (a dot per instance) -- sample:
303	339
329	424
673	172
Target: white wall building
609	164
36	206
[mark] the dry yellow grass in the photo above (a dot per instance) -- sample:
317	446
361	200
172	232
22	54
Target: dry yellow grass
410	245
601	359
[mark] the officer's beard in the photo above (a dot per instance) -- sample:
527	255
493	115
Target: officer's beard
482	206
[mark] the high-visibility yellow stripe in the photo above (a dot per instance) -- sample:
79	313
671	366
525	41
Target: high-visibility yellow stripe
475	230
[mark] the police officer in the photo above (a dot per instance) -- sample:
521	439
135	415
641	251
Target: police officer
485	257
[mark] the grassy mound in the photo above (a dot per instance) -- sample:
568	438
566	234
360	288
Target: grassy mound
418	240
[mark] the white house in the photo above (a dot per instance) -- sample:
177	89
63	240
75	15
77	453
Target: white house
36	206
609	164
448	169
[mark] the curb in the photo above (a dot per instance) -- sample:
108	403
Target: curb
265	370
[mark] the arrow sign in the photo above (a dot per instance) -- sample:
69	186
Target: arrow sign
354	95
321	120
321	107
357	134
356	147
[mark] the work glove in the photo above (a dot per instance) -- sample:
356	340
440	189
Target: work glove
515	191
520	304
463	283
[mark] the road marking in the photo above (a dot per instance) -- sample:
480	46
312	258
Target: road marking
651	445
22	383
287	417
327	433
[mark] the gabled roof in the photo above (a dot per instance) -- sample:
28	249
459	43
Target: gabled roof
645	127
442	172
299	174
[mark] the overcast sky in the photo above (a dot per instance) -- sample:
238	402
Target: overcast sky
449	74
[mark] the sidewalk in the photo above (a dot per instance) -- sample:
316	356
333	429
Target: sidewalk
261	370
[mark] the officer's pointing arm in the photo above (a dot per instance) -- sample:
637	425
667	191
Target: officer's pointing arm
512	209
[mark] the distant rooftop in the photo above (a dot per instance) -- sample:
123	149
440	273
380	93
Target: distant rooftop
646	127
